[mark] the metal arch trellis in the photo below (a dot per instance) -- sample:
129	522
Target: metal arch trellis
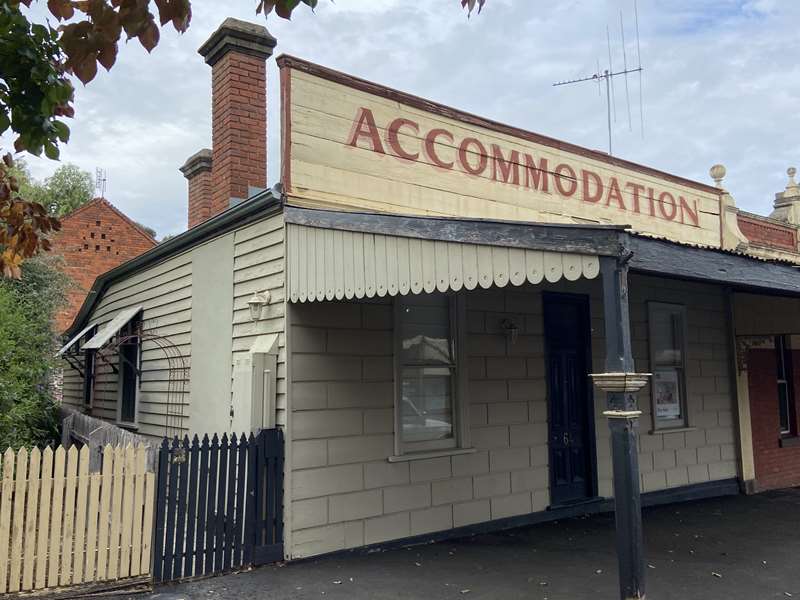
177	368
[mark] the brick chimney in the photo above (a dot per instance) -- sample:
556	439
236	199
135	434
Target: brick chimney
197	170
237	52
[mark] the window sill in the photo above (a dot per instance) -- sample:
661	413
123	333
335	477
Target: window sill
671	430
430	454
128	426
790	441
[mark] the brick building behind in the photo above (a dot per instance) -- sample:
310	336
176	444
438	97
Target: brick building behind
94	239
777	456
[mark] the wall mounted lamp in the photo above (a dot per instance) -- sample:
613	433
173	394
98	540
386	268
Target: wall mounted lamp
510	328
257	303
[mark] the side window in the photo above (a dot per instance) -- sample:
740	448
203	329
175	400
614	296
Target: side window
427	373
129	353
785	395
89	357
667	328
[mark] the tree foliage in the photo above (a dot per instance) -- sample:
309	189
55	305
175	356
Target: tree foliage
36	92
68	188
28	341
29	209
149	230
24	225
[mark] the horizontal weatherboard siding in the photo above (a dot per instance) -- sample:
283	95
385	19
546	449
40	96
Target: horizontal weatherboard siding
258	266
165	292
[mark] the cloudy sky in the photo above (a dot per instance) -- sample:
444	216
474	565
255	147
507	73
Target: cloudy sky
721	84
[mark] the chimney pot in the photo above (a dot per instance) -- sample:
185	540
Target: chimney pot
239	36
197	170
197	163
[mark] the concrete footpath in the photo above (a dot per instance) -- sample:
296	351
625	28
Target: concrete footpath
731	548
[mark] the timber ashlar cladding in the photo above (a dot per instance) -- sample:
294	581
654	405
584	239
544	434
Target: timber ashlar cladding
345	493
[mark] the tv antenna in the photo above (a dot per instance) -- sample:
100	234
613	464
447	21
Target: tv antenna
608	75
100	181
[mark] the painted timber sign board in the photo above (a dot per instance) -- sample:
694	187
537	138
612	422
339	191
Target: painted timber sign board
354	145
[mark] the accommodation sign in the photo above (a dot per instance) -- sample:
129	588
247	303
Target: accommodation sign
354	145
509	166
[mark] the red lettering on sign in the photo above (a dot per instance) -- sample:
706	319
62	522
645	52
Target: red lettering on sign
463	156
666	199
508	170
473	159
636	190
570	180
686	211
364	126
651	197
536	177
615	194
430	147
590	195
393	137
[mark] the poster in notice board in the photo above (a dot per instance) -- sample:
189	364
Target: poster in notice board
667	394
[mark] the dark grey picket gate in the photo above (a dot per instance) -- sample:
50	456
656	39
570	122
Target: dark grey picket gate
219	504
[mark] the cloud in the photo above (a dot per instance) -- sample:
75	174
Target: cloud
720	85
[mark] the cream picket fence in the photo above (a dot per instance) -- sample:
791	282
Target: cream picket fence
62	526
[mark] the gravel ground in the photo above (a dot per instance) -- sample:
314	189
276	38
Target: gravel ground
728	548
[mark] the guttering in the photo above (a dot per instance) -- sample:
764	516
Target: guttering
253	209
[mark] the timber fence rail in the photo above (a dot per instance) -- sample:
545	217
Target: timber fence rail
62	526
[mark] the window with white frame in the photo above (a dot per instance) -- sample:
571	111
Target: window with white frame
129	353
668	364
785	400
427	366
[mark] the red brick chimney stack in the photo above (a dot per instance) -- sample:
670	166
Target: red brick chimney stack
237	53
197	170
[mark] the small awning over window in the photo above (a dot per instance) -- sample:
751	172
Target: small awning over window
74	340
331	263
118	322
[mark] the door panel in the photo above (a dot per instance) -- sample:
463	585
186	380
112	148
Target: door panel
569	396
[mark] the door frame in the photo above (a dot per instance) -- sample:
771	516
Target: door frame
584	301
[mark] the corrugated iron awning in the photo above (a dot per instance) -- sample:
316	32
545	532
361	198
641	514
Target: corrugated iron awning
74	340
335	264
121	319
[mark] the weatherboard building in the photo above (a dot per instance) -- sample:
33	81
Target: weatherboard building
456	323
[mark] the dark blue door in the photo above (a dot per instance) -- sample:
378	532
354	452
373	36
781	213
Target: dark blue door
567	342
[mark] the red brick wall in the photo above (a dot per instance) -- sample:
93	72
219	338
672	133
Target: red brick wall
767	233
239	127
776	467
200	188
93	240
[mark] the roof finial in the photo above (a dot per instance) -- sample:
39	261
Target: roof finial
787	202
792	189
717	173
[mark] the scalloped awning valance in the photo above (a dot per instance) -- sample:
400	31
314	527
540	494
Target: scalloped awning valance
335	264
